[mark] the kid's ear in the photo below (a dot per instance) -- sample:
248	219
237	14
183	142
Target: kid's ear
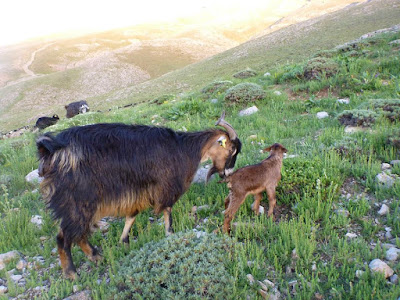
284	150
267	149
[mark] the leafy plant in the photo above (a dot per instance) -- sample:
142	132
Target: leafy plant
357	117
244	93
245	74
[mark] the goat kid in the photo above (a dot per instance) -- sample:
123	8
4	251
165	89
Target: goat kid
254	180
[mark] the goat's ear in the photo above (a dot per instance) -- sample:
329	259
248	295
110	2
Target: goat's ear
267	149
284	150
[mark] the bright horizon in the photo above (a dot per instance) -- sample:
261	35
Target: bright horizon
23	20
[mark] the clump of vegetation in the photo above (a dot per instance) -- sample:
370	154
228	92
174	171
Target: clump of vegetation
217	86
394	139
244	93
190	107
326	53
181	266
163	99
318	67
389	108
357	117
245	74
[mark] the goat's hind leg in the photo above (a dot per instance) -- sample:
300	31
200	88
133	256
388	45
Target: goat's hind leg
272	201
129	220
64	244
256	203
168	221
91	252
236	199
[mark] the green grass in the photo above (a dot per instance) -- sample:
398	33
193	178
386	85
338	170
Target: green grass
306	244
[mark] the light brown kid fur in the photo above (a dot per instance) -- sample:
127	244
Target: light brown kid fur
253	180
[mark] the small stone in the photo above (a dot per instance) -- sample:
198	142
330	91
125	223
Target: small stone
37	220
394	279
294	254
3	289
342	212
103	226
322	115
43	238
199	233
388	235
21	264
250	278
359	273
353	129
384	180
378	265
314	267
16	278
33	177
214	101
278	93
385	166
395	42
253	137
384	210
351	235
84	295
261	209
395	162
343	101
248	111
267	74
203	207
392	254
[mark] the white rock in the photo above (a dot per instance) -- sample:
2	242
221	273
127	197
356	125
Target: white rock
199	233
201	175
3	289
7	257
267	74
342	212
385	166
261	209
395	162
37	220
21	264
392	254
248	111
16	278
322	115
33	177
214	101
359	273
385	180
395	42
384	210
351	235
353	129
344	101
278	93
290	156
378	265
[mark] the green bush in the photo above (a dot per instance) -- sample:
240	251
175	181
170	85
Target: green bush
162	99
357	117
244	93
181	266
389	108
217	86
317	67
245	74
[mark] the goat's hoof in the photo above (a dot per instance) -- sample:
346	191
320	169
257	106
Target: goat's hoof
95	258
71	275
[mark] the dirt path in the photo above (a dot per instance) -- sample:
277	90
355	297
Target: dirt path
26	66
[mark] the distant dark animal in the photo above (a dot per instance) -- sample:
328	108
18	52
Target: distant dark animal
119	170
44	122
76	108
254	180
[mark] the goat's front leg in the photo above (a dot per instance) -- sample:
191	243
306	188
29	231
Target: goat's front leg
236	199
271	201
129	220
168	221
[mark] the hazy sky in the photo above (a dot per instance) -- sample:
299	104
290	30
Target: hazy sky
24	19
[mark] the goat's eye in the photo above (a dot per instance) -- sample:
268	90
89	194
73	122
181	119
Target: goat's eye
222	142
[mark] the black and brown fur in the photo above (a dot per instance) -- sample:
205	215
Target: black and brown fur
119	170
254	180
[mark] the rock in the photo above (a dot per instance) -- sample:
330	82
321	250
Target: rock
385	166
290	156
353	129
103	226
253	137
351	235
21	264
342	212
278	93
84	295
214	101
16	278
260	209
202	207
359	273
7	257
248	111
343	101
201	175
378	265
294	254
33	177
267	74
394	279
384	210
3	289
322	115
395	42
250	278
392	254
395	162
384	180
37	220
199	233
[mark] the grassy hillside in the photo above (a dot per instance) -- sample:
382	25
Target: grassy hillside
327	228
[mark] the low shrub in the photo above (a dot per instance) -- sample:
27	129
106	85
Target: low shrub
244	93
217	86
162	99
357	117
245	74
317	67
181	266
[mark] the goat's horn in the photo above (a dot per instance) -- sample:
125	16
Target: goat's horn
221	122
